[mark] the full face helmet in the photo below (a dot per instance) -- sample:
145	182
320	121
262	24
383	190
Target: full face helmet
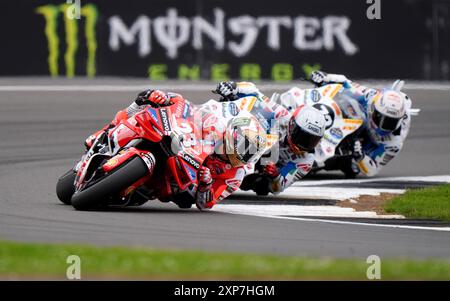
306	128
386	110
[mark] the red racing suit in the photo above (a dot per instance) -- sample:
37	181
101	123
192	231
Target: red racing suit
226	180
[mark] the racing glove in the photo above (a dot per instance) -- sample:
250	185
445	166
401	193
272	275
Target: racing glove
358	154
271	170
319	78
228	90
153	97
204	176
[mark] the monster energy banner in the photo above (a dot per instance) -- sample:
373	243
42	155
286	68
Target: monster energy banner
214	39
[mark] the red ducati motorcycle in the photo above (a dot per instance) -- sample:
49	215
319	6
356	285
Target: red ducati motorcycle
154	154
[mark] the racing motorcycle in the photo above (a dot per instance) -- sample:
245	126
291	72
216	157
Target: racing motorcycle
343	124
147	156
335	149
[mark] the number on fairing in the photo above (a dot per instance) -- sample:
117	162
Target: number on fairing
327	112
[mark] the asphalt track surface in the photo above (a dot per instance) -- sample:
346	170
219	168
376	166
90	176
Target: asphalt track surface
41	135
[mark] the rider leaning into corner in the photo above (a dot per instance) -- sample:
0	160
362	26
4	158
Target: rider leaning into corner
298	131
222	171
387	118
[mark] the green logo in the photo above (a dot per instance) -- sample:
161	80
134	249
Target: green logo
51	14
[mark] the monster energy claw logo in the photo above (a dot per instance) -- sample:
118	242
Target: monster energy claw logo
51	13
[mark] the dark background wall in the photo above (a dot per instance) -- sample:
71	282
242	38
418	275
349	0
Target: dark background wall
167	38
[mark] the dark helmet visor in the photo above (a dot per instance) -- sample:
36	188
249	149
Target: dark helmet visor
385	123
302	139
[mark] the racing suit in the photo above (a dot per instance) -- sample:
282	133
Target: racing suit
275	119
226	179
378	146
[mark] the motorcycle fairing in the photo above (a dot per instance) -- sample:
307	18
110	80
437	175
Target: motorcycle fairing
333	137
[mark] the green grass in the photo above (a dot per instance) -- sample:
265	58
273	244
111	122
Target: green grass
433	203
47	261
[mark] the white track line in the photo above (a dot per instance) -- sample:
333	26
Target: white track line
303	190
439	178
297	210
326	193
445	229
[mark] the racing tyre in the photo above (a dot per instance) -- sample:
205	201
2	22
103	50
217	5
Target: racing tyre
111	184
349	172
65	188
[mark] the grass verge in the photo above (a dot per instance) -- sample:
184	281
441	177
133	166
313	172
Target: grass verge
433	203
48	261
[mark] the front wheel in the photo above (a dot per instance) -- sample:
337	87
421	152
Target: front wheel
111	184
65	188
348	170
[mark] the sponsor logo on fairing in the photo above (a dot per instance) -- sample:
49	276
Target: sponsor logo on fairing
165	120
336	133
330	139
189	159
315	95
192	173
185	111
233	109
153	115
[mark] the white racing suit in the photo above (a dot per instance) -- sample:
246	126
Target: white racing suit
379	147
275	118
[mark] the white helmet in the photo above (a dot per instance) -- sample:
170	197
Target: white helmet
306	128
386	110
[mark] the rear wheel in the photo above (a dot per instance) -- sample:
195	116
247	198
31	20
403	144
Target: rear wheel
256	182
110	185
65	188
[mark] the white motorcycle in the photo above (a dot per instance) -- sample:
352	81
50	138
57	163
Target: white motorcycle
342	113
342	126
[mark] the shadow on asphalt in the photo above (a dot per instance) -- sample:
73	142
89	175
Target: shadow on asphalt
146	209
